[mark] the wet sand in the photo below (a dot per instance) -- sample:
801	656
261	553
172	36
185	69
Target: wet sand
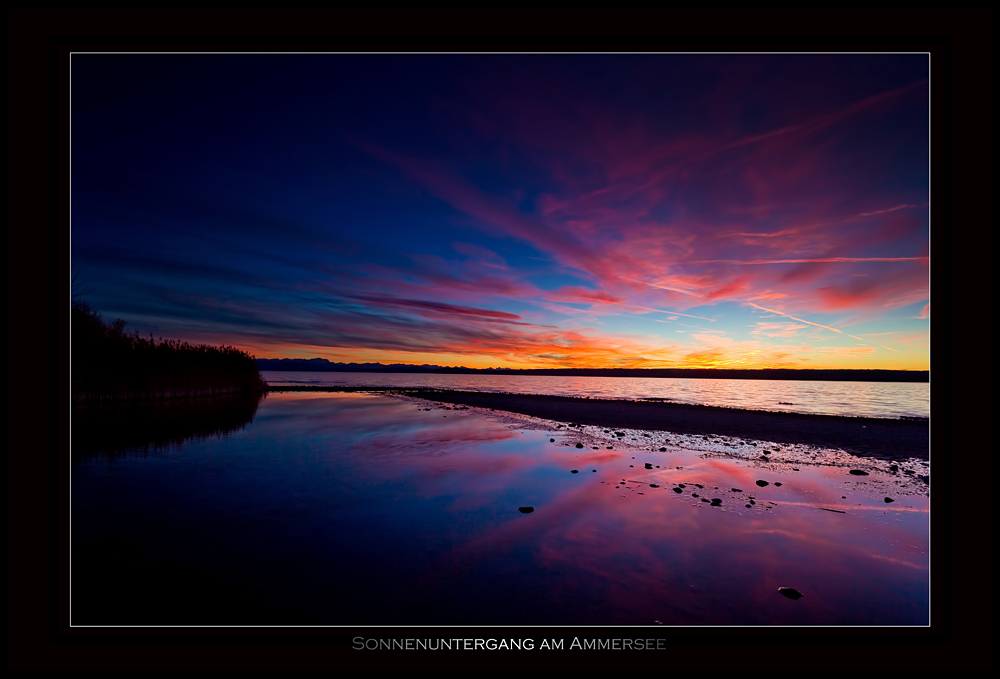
873	437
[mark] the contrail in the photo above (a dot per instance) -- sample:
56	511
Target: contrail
827	260
818	325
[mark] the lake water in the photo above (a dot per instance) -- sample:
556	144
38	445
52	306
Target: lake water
857	399
367	509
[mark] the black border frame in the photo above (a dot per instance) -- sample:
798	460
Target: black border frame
39	44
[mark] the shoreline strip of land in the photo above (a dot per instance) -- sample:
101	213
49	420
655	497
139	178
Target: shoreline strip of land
866	436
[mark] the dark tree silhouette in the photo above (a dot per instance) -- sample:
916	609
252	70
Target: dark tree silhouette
109	363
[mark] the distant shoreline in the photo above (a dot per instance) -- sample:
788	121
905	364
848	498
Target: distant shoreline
322	365
866	436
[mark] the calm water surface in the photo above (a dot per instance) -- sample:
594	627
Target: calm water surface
352	509
857	399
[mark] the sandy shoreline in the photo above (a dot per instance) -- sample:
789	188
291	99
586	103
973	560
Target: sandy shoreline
881	438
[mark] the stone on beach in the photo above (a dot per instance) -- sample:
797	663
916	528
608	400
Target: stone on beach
791	593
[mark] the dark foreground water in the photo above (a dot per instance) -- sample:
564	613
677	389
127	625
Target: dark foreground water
361	509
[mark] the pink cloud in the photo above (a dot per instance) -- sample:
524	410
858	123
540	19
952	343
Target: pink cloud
578	295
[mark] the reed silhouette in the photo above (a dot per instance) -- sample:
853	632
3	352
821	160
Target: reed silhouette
111	364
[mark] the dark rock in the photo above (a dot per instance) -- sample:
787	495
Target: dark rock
716	502
649	466
552	440
574	471
925	479
677	490
593	470
579	445
653	485
889	499
704	499
663	450
696	495
764	457
749	507
777	483
858	472
737	490
525	510
762	483
894	467
791	593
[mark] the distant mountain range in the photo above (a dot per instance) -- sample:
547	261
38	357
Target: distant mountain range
323	365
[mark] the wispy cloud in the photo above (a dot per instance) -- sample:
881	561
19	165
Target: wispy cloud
781	313
777	329
825	260
891	209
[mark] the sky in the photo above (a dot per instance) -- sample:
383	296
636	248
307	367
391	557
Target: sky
522	211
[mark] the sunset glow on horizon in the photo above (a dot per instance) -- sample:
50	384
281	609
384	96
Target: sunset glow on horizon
513	211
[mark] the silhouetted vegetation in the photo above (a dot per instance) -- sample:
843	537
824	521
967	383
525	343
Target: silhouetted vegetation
110	363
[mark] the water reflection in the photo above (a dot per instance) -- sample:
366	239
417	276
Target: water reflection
355	509
114	429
